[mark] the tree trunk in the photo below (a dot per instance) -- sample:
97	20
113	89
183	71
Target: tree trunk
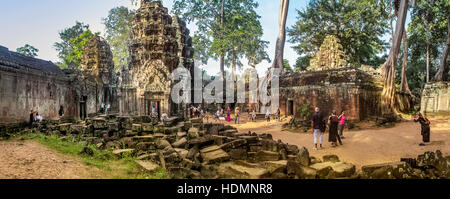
388	97
222	54
404	82
281	40
440	74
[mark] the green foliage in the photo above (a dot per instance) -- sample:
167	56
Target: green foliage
286	66
304	110
359	25
428	27
118	27
239	35
78	43
110	166
28	50
302	63
65	48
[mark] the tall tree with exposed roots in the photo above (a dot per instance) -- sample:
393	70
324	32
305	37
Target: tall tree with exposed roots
388	96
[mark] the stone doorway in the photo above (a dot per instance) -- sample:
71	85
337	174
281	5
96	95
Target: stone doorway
153	104
290	107
83	107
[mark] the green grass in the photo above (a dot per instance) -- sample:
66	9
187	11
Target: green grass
110	166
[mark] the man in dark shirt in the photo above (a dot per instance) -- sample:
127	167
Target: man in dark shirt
316	124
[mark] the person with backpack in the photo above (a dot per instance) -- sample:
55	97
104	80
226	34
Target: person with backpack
425	124
318	128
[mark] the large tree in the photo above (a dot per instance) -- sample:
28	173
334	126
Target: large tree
428	33
118	26
66	47
226	28
359	25
28	50
388	96
281	39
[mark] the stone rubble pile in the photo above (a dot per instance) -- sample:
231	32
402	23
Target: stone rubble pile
191	149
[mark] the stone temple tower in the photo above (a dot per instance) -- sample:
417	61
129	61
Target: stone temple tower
157	48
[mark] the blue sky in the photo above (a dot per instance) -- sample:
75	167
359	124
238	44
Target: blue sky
37	22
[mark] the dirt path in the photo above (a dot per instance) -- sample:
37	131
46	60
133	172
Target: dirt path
31	160
367	146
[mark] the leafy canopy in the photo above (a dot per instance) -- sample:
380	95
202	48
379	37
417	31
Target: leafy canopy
359	25
239	35
28	50
118	26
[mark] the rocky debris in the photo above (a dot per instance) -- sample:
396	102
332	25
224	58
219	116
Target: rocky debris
180	143
430	165
303	157
338	169
214	154
86	151
267	156
296	171
149	166
330	158
122	152
237	171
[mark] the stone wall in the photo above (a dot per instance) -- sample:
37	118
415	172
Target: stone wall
348	89
436	98
25	86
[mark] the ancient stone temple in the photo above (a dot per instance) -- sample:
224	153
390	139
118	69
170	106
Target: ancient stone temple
436	98
159	44
331	84
96	83
330	55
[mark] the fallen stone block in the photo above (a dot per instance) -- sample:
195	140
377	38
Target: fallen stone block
340	169
180	143
147	127
303	157
123	152
137	128
145	138
147	165
214	154
267	156
330	158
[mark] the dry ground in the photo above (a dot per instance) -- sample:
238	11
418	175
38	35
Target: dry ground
31	160
371	146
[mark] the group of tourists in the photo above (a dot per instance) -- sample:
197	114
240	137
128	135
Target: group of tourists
336	125
104	108
336	128
276	115
35	117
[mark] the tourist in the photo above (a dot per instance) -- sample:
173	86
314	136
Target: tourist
237	115
317	125
106	109
333	136
277	115
164	118
108	106
217	115
102	108
228	114
425	124
342	125
253	115
268	115
153	111
31	118
61	111
38	117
